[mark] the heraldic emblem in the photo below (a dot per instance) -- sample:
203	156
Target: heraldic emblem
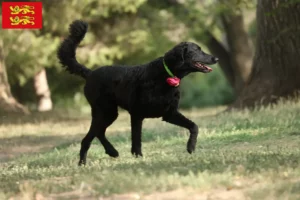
22	15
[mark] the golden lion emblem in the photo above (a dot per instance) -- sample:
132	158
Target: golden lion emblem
15	10
24	20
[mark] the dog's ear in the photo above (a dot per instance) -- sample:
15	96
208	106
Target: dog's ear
184	50
178	52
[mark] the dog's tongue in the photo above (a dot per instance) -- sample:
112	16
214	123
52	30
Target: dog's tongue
199	65
208	68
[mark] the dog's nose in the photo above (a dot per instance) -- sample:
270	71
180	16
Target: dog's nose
215	59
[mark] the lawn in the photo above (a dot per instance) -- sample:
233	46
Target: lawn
239	155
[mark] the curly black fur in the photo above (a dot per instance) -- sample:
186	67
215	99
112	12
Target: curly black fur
141	90
67	50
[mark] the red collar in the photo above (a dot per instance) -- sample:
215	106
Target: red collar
173	80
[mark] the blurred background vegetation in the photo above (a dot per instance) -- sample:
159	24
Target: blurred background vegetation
131	32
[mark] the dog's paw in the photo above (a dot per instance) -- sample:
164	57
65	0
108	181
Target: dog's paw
191	146
112	153
190	150
137	152
81	162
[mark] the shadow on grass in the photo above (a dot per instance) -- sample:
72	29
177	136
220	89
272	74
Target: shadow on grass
38	117
209	155
274	151
217	161
214	159
295	134
13	147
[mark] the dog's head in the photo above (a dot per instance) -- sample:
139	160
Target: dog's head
188	57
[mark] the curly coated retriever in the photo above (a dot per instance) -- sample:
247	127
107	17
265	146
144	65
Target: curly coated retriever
145	91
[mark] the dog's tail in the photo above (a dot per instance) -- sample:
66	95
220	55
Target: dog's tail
67	51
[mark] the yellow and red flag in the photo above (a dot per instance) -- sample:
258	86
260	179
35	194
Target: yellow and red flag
22	15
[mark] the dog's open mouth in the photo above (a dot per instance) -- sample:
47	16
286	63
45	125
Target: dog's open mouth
202	67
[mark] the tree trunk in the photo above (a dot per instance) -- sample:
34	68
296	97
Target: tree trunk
8	103
42	91
276	66
218	50
236	62
241	54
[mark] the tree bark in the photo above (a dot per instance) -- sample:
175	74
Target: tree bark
42	91
8	104
276	66
240	51
217	49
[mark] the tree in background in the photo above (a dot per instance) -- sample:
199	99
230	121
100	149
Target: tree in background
239	53
7	102
29	53
42	91
276	65
33	52
120	32
219	25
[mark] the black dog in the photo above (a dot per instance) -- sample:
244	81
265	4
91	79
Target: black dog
145	91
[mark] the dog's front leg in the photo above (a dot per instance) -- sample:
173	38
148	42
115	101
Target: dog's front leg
136	136
178	119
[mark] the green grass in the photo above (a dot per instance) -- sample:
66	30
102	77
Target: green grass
253	155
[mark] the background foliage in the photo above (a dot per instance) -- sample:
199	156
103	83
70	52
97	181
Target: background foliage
122	32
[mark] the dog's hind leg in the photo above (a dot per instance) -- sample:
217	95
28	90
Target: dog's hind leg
101	119
136	136
86	142
178	119
107	118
